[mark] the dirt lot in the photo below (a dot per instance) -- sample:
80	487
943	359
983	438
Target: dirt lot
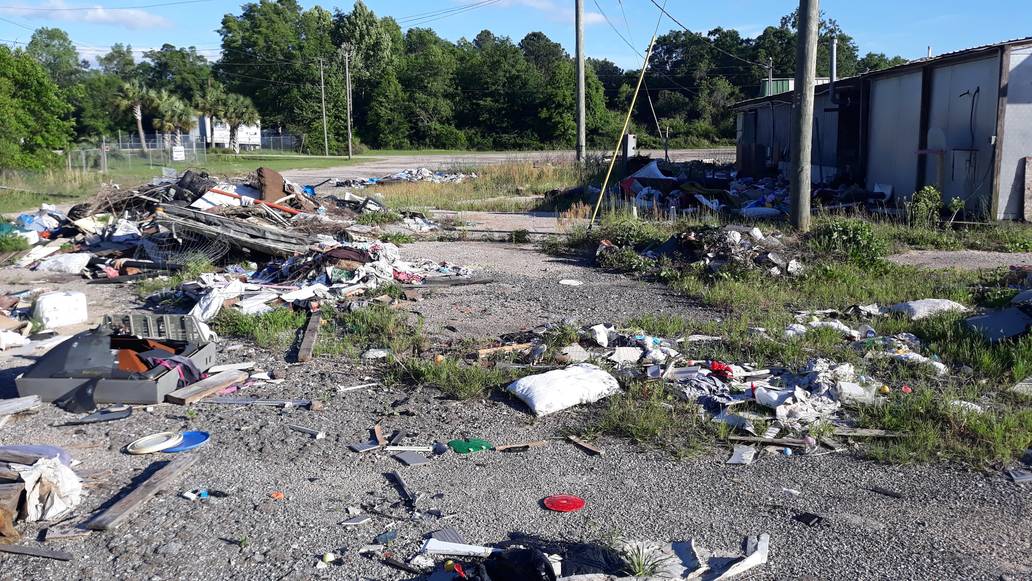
949	524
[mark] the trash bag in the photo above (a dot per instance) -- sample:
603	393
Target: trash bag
587	558
193	185
519	565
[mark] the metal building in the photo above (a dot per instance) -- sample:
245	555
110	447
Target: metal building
960	121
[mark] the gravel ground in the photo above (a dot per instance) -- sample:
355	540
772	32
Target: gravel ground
950	523
962	259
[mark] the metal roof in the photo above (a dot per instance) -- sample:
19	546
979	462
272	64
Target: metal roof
916	63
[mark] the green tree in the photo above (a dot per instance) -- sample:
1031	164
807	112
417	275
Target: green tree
167	114
386	125
52	48
132	97
119	62
32	111
876	61
93	100
237	111
180	71
209	102
427	75
375	45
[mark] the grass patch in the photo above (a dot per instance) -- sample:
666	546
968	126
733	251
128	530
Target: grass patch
397	238
275	329
13	243
191	271
454	378
378	218
515	186
375	327
648	413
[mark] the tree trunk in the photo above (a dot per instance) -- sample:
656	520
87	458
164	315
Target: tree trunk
233	138
138	113
211	131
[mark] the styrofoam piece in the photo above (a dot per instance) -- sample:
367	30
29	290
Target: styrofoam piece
60	309
438	547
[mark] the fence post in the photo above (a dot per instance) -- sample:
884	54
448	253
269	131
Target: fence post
103	154
82	155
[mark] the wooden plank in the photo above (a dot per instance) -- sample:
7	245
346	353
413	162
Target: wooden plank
865	433
10	498
205	387
21	457
304	352
378	434
19	404
590	449
36	552
791	442
1028	189
482	353
520	447
118	512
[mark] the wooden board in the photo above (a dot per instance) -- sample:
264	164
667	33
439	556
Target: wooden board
205	387
10	497
118	512
304	352
590	449
36	552
482	353
521	447
18	404
1028	189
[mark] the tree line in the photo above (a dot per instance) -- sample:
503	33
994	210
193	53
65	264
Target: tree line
411	89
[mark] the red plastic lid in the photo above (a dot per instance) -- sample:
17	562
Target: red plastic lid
564	503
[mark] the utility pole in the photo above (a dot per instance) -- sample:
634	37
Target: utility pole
802	112
770	78
581	132
347	77
322	91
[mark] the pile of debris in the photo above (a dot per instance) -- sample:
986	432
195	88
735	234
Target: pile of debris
691	187
420	174
729	247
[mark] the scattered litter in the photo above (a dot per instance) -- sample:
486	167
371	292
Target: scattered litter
411	458
563	503
571	282
316	434
553	391
809	519
921	309
742	455
155	443
469	445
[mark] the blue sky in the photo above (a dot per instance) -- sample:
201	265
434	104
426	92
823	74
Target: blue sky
904	27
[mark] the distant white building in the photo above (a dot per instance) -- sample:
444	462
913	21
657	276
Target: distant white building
248	136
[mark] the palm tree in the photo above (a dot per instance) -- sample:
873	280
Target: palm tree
132	97
209	104
167	112
238	110
183	116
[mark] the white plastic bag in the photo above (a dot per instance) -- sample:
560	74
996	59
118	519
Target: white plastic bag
557	390
71	263
926	308
60	309
51	489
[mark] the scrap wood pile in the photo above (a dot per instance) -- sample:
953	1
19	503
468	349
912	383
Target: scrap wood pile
294	246
696	186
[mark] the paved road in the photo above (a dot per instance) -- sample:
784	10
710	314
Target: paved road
372	166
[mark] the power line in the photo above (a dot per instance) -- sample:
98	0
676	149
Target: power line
17	24
419	20
86	8
700	35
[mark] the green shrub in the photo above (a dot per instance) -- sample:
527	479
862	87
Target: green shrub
849	238
925	206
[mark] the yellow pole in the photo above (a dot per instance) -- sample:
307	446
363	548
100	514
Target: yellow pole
619	140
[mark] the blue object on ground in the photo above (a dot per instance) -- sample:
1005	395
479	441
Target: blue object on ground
191	440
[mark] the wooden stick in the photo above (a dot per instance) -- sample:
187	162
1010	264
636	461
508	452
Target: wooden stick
586	446
520	447
378	434
791	442
304	352
10	497
482	353
36	552
865	433
118	512
205	387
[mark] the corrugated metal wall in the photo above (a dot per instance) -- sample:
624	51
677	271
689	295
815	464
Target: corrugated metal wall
894	132
962	121
1017	135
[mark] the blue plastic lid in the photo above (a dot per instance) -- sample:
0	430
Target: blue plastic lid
191	440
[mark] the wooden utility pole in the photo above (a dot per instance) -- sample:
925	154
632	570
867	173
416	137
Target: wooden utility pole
347	76
322	91
581	132
802	111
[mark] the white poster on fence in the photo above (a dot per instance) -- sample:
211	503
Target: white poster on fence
178	153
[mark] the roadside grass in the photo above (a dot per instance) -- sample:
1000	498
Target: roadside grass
844	268
27	190
397	238
378	218
509	187
13	243
901	236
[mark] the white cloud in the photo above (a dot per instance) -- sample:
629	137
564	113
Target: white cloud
95	14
